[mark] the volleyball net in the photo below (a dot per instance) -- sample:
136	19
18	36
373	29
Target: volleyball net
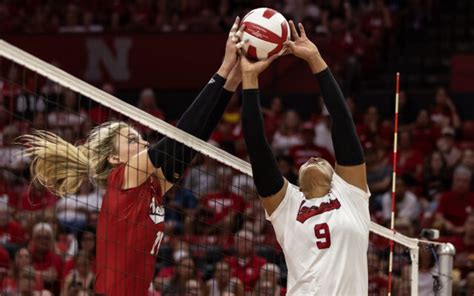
216	236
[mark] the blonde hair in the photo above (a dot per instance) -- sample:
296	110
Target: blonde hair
62	167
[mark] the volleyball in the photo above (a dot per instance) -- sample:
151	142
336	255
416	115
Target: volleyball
266	30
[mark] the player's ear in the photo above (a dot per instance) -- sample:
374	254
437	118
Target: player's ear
113	159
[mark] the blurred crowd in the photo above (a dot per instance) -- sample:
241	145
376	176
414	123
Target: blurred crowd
137	16
354	35
218	242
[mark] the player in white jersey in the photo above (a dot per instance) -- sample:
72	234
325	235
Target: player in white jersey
322	226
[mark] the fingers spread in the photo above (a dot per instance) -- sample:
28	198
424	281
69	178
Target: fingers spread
235	26
302	31
294	33
239	33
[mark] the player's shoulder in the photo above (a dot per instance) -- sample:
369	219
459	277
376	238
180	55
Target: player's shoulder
293	191
343	187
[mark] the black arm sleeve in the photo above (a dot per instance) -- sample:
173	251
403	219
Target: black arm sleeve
346	143
199	120
266	176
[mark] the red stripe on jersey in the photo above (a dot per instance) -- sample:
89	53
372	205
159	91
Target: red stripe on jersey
269	13
252	52
263	33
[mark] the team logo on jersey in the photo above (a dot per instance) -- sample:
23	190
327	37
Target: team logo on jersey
304	213
157	212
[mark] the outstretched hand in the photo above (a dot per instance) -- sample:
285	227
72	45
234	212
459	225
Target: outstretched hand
305	49
231	51
250	68
301	46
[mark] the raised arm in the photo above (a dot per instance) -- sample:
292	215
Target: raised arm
271	185
169	158
350	163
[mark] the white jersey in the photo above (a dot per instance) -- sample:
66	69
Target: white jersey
325	240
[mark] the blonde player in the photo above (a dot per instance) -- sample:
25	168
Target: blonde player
322	226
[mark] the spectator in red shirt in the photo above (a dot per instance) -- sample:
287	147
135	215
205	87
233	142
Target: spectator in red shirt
45	262
301	153
4	267
11	232
464	245
444	112
373	129
424	132
447	146
35	198
246	264
455	205
223	206
410	160
22	262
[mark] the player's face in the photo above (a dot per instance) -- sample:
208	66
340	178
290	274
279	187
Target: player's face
317	163
129	144
315	171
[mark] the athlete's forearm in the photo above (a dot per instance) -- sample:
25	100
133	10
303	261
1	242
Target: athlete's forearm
266	176
346	143
198	112
199	120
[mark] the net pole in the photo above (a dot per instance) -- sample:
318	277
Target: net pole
414	256
446	254
394	178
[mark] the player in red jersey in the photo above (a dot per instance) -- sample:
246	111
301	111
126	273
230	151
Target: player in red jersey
135	175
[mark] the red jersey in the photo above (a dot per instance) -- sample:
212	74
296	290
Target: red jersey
249	273
12	233
222	204
456	208
45	261
129	232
